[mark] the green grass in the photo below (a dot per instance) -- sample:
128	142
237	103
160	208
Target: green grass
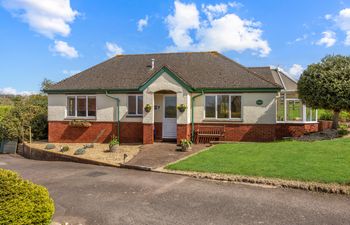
322	161
3	110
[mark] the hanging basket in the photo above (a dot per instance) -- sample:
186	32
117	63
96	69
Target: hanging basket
182	108
148	108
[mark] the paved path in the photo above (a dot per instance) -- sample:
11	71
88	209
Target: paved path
96	195
161	154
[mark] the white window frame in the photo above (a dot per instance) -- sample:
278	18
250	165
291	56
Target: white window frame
216	110
76	107
137	104
304	119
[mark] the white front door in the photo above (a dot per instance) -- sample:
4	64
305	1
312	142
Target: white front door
169	120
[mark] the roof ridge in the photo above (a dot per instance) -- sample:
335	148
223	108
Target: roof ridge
165	53
252	72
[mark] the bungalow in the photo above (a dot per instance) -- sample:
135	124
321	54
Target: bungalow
147	97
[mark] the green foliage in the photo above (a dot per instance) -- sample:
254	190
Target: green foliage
186	143
324	114
320	161
80	151
343	129
27	111
22	202
326	84
114	141
4	109
46	84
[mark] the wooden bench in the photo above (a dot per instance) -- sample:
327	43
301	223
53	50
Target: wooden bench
206	134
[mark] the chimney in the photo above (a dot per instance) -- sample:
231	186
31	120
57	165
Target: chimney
152	67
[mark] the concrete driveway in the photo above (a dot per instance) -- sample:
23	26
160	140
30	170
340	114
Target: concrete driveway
88	194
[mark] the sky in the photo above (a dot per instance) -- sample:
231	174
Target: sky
55	39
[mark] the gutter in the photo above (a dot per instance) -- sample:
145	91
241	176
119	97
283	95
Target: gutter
192	113
118	120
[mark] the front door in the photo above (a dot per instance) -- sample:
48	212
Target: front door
169	121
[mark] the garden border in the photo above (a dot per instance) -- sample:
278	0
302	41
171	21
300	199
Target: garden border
38	154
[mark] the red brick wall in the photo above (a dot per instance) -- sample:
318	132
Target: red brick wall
158	127
263	132
183	132
60	131
294	130
324	125
148	133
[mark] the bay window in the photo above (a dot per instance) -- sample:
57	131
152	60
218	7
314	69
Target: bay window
81	106
135	105
223	107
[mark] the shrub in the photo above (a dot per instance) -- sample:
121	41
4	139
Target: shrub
80	151
114	141
79	123
325	114
23	202
343	129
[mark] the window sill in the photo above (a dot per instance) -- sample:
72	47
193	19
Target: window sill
296	122
222	120
134	116
80	118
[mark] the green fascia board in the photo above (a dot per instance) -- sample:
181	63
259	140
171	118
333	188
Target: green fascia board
91	91
236	90
171	74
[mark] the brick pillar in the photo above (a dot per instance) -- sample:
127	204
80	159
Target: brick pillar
148	133
183	132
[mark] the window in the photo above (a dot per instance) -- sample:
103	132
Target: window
223	107
81	106
135	105
280	108
291	109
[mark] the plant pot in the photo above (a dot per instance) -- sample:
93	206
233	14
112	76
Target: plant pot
186	148
113	148
182	110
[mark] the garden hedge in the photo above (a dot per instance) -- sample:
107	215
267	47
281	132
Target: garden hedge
23	202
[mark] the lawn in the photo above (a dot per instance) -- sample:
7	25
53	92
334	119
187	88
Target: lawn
321	161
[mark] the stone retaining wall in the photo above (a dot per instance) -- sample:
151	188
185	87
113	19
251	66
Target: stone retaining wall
38	154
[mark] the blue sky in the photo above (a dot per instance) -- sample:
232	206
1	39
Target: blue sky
56	38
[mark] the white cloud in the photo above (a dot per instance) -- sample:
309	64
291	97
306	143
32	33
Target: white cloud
47	17
12	91
328	39
142	23
185	18
63	49
328	16
222	31
213	11
295	71
343	21
113	49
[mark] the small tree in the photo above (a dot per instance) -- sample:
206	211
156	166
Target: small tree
327	85
45	84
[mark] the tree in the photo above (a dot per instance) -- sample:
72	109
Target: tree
327	85
27	111
45	84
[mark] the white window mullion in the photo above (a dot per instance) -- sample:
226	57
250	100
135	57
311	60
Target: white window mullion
216	106
86	106
229	106
76	106
285	106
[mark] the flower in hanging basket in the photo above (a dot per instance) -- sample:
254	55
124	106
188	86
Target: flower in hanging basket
182	107
79	123
148	108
